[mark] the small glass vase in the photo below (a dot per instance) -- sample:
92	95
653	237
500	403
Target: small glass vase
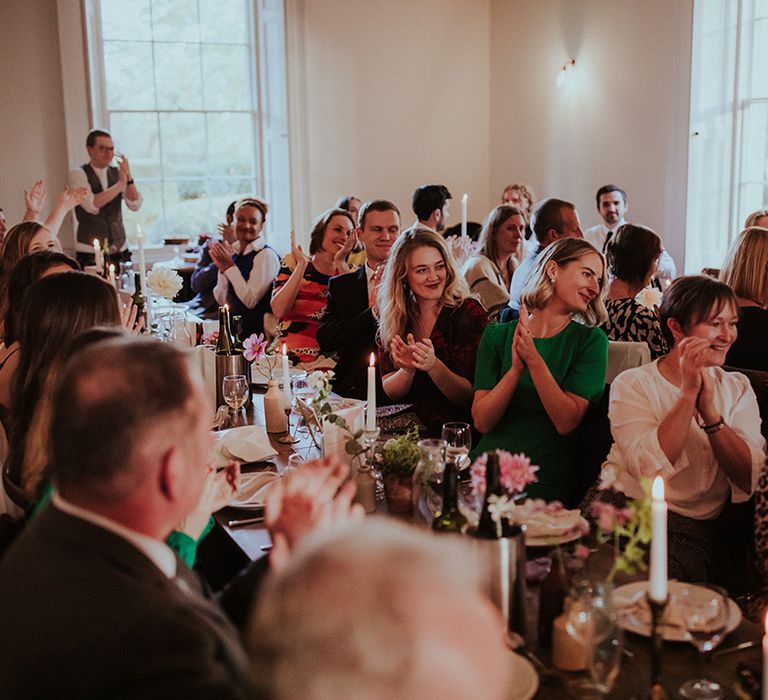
428	480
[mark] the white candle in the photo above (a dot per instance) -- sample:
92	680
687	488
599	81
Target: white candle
112	280
464	200
286	378
98	258
765	660
143	275
657	589
370	420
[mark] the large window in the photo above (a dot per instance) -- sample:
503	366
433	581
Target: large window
193	93
728	157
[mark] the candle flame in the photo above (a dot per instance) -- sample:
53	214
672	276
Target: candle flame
657	490
465	197
373	360
95	242
111	267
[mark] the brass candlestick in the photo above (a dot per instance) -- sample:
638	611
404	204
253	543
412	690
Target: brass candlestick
658	607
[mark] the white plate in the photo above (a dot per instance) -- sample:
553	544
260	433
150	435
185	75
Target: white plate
552	540
525	678
248	443
254	489
672	633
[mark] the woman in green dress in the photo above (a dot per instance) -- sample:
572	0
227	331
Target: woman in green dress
535	377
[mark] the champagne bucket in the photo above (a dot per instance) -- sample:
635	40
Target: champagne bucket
227	365
504	562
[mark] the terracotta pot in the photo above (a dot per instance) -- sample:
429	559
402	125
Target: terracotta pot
399	493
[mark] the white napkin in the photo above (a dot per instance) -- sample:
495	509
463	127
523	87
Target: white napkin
206	360
248	443
546	524
254	489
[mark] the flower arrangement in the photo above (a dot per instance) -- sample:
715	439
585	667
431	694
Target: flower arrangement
628	527
650	297
210	338
400	454
257	349
165	282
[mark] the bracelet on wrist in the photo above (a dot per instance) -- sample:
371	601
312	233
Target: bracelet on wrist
713	427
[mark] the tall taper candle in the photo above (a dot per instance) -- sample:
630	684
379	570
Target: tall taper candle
370	419
98	258
286	378
464	199
657	589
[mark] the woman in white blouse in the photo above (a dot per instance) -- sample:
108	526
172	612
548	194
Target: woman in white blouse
683	418
489	271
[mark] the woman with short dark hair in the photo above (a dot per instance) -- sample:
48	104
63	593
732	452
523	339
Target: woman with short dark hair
632	255
685	419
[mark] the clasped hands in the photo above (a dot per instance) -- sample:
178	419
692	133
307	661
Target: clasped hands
523	349
694	360
411	354
221	253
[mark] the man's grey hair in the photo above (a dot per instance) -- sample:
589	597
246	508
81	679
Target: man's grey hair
339	622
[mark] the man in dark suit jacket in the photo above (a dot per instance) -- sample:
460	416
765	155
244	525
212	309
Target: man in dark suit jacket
94	603
348	327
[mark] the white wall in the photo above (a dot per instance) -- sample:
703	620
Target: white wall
392	95
32	144
621	117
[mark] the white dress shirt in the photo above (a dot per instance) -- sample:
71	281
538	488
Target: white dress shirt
695	486
158	552
263	273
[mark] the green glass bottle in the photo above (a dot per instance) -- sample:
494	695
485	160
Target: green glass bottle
449	518
138	300
237	333
487	528
224	344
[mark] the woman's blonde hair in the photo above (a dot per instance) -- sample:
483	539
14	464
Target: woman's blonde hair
486	242
539	289
754	216
745	269
396	303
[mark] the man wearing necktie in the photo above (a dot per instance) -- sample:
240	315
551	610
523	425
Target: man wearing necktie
611	203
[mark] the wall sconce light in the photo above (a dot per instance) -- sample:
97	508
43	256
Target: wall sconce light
560	80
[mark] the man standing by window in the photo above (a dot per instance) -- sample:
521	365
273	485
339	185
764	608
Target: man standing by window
100	215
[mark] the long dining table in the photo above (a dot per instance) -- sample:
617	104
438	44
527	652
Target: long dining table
679	659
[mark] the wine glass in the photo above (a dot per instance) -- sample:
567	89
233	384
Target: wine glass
458	443
234	389
301	392
704	609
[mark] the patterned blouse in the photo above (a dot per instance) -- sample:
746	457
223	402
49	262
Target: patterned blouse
299	326
628	320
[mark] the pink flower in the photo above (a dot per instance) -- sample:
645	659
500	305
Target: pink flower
254	347
210	338
608	516
515	472
581	551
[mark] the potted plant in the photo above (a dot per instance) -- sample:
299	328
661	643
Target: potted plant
399	457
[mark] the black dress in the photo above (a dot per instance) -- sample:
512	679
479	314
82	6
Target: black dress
750	349
631	321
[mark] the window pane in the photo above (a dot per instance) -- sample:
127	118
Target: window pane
128	73
226	77
176	20
755	137
224	21
126	19
149	216
759	86
182	137
230	144
186	207
136	135
178	76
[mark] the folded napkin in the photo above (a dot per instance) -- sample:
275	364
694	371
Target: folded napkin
248	443
632	606
254	489
546	522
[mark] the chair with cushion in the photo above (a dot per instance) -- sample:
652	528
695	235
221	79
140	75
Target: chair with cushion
624	354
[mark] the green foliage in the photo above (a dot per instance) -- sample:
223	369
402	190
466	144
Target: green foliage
400	455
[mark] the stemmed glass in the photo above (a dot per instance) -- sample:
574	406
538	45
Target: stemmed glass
458	443
704	609
301	392
234	389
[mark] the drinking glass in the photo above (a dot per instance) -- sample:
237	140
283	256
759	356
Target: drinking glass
301	391
704	609
234	389
591	620
458	443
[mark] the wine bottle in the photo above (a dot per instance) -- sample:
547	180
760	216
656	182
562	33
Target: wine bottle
237	334
105	259
224	345
138	300
487	528
449	518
